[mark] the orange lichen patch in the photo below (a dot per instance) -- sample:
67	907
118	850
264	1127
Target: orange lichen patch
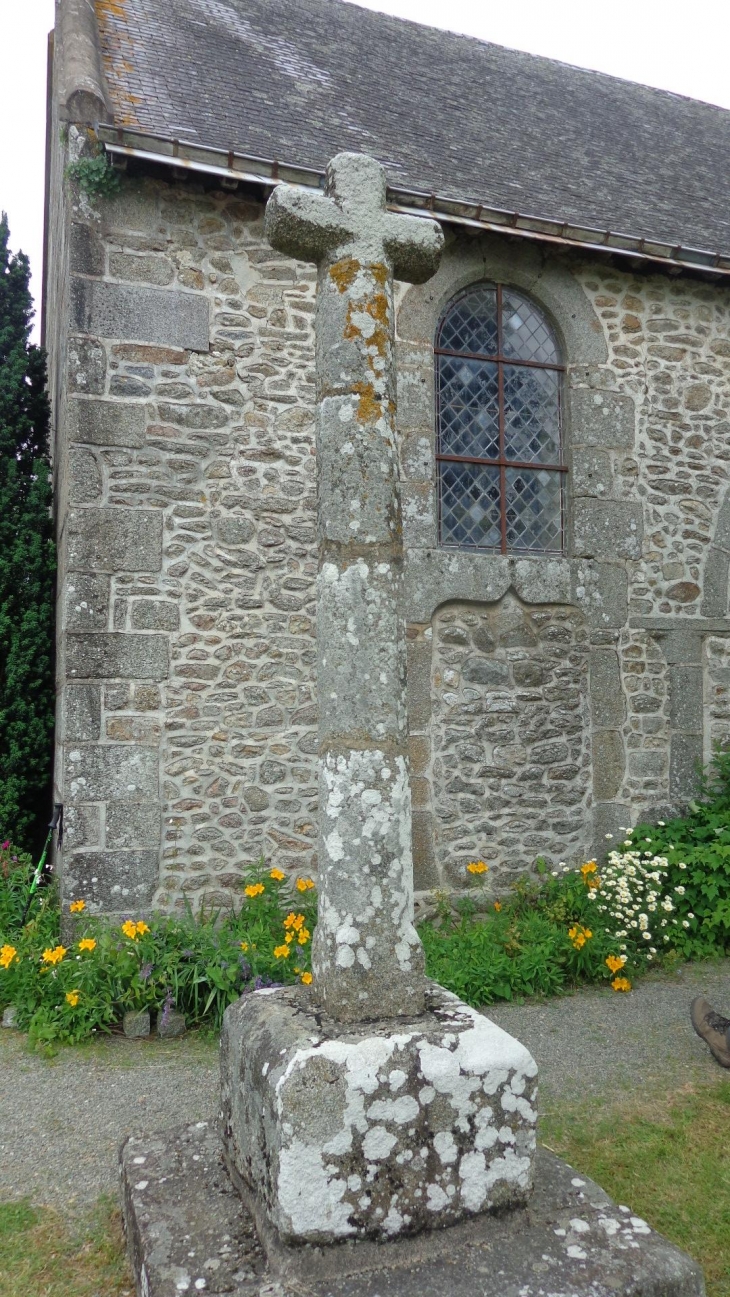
370	407
118	58
115	8
343	273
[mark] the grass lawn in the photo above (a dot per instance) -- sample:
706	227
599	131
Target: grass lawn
667	1156
43	1255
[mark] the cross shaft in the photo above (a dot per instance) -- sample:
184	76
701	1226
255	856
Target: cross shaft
367	958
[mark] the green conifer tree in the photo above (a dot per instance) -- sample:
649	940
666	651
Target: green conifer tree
27	563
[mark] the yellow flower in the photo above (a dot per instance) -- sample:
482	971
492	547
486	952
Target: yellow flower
278	875
497	906
130	929
477	867
304	884
142	928
593	882
589	867
290	936
77	906
72	998
307	979
244	945
615	962
281	952
621	984
7	955
579	935
254	889
54	956
87	943
303	936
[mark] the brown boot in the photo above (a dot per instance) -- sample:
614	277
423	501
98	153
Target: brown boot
712	1027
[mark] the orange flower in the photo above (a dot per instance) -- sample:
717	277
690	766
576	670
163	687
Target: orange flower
589	867
7	955
87	943
254	889
54	956
141	929
77	906
497	906
621	984
307	979
72	998
477	867
281	952
295	921
615	962
304	884
278	875
129	928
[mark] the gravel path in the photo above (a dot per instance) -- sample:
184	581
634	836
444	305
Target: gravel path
598	1042
61	1120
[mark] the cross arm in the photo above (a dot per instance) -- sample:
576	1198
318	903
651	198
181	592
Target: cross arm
414	245
304	224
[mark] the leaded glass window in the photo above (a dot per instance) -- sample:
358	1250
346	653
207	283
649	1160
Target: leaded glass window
499	446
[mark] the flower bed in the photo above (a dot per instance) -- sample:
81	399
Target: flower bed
66	991
661	894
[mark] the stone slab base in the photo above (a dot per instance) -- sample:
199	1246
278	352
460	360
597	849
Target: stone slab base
378	1130
189	1233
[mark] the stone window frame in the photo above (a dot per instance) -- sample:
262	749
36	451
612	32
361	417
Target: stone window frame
436	574
502	459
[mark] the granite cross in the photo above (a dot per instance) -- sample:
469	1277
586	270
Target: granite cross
367	959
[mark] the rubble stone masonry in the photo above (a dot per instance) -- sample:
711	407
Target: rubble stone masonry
551	699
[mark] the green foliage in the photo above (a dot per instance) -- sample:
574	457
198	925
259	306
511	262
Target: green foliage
95	176
16	870
66	989
697	850
27	562
525	947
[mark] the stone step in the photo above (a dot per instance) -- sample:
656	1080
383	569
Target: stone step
188	1232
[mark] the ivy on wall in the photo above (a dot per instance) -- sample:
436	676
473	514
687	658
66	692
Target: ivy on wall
27	563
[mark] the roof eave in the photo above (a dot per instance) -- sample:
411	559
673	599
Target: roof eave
120	141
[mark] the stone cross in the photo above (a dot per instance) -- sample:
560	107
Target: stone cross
367	959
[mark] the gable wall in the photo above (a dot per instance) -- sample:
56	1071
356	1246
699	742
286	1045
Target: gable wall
188	727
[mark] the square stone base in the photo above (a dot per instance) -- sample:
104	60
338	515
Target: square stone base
377	1131
189	1235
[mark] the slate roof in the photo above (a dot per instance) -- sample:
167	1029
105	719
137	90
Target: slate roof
300	80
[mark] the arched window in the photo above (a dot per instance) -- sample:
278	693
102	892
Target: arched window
499	445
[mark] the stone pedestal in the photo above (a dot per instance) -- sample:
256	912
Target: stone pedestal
376	1132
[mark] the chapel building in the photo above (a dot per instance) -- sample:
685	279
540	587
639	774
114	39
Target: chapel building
563	420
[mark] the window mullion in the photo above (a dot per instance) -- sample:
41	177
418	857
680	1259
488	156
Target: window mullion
500	416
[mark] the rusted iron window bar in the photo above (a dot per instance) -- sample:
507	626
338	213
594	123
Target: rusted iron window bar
501	462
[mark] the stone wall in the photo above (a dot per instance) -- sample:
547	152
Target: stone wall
188	715
511	735
182	358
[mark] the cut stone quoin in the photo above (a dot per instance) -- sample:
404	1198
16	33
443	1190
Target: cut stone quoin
373	1131
367	959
